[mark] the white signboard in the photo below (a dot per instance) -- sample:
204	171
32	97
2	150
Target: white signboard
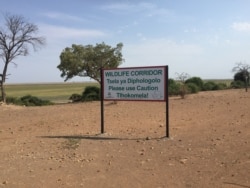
138	84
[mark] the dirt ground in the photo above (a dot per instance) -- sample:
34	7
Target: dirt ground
61	145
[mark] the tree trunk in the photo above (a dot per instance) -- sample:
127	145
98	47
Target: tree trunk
246	84
3	81
3	94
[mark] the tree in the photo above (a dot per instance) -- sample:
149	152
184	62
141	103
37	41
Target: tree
182	77
242	70
88	60
240	76
16	36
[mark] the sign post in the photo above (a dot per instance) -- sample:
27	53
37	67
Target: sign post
102	106
167	104
135	84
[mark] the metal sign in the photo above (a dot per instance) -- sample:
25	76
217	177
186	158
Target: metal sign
137	84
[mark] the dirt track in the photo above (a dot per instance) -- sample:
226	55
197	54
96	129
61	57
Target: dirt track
60	146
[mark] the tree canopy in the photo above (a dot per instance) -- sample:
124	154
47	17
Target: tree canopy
242	73
241	76
16	36
79	60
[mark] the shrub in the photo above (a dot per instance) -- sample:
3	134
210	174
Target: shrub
28	100
197	81
173	87
75	97
183	90
220	86
237	84
209	86
192	88
13	100
91	93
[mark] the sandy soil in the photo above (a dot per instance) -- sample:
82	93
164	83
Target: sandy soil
60	146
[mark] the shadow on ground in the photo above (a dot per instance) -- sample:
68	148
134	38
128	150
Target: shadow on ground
100	137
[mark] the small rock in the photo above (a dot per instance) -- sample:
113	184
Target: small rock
183	161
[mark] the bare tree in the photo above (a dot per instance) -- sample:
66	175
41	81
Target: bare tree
182	77
16	36
244	69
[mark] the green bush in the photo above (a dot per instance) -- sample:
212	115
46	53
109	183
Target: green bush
192	88
13	100
209	86
27	100
91	93
220	86
237	84
173	87
197	81
76	97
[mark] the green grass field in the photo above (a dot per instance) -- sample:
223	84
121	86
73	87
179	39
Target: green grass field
55	92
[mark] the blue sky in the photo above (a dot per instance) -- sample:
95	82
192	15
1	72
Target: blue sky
203	38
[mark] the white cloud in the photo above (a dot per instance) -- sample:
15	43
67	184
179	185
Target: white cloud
118	7
51	31
241	26
62	16
148	9
154	10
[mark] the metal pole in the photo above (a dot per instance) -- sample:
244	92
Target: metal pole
102	106
167	105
